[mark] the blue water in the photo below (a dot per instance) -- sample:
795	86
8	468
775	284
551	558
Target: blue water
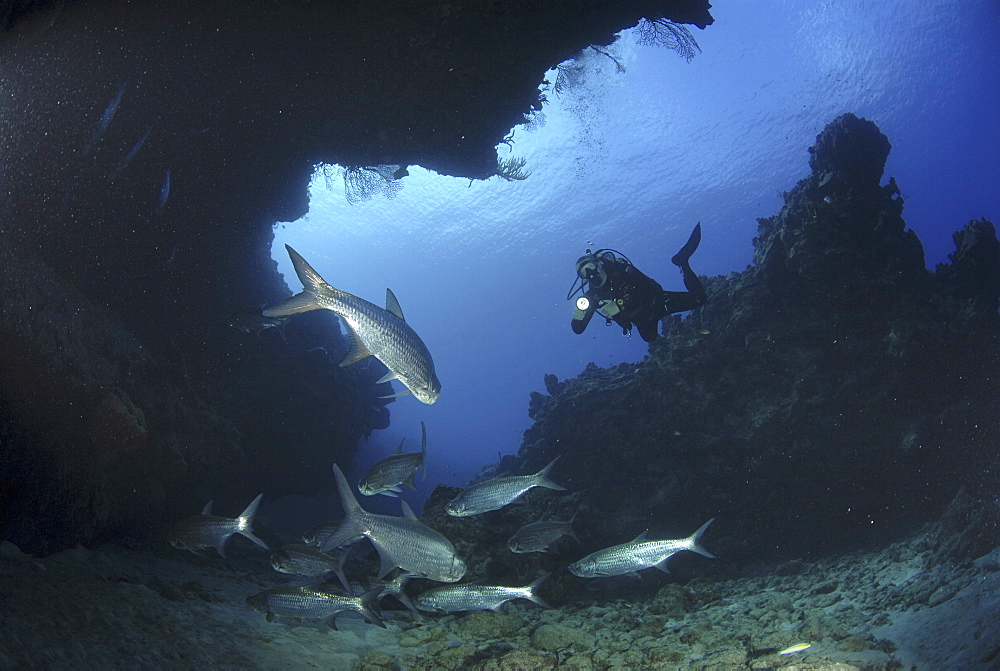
632	161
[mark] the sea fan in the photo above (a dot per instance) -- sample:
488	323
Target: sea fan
665	33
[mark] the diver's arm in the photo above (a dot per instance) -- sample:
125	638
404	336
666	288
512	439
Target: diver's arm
582	316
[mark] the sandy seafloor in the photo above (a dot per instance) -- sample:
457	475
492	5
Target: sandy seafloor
113	608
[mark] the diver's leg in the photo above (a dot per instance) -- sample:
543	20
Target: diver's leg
693	284
648	331
682	301
679	301
681	257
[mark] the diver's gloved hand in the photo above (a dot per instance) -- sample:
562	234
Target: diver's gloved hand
583	312
681	258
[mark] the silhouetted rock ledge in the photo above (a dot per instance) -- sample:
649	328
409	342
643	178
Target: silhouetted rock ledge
125	400
832	395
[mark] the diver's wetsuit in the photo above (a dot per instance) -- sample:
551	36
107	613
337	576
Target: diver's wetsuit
628	297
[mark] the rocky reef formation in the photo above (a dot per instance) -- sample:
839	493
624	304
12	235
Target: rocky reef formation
832	395
146	151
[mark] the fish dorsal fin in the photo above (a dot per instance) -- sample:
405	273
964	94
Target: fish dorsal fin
207	510
399	450
358	351
392	305
407	510
641	537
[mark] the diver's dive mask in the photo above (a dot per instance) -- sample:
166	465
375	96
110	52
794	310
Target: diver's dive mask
590	269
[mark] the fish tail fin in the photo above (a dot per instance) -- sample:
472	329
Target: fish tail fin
246	522
339	571
423	451
542	477
533	592
694	541
312	283
409	482
350	527
402	596
365	607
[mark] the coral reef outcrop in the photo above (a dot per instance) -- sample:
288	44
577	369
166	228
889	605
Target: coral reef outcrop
835	394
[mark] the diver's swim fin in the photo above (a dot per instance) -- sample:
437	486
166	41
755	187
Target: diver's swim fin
681	257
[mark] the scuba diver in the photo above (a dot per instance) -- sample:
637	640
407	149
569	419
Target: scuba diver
617	289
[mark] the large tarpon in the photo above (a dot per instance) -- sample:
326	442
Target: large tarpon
373	331
305	560
403	542
386	475
629	558
314	603
540	536
494	494
451	598
207	530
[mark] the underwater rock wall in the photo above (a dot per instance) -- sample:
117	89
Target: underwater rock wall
102	436
833	394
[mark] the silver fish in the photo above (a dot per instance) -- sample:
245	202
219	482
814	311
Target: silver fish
305	560
208	531
319	533
540	536
250	320
451	598
373	331
385	475
164	192
313	603
402	542
494	494
394	587
109	114
129	156
636	555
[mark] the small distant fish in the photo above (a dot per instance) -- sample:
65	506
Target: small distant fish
494	494
109	114
452	598
798	647
636	555
305	560
402	542
764	652
540	536
385	475
703	331
318	534
314	603
373	331
129	156
251	321
164	192
394	587
208	531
